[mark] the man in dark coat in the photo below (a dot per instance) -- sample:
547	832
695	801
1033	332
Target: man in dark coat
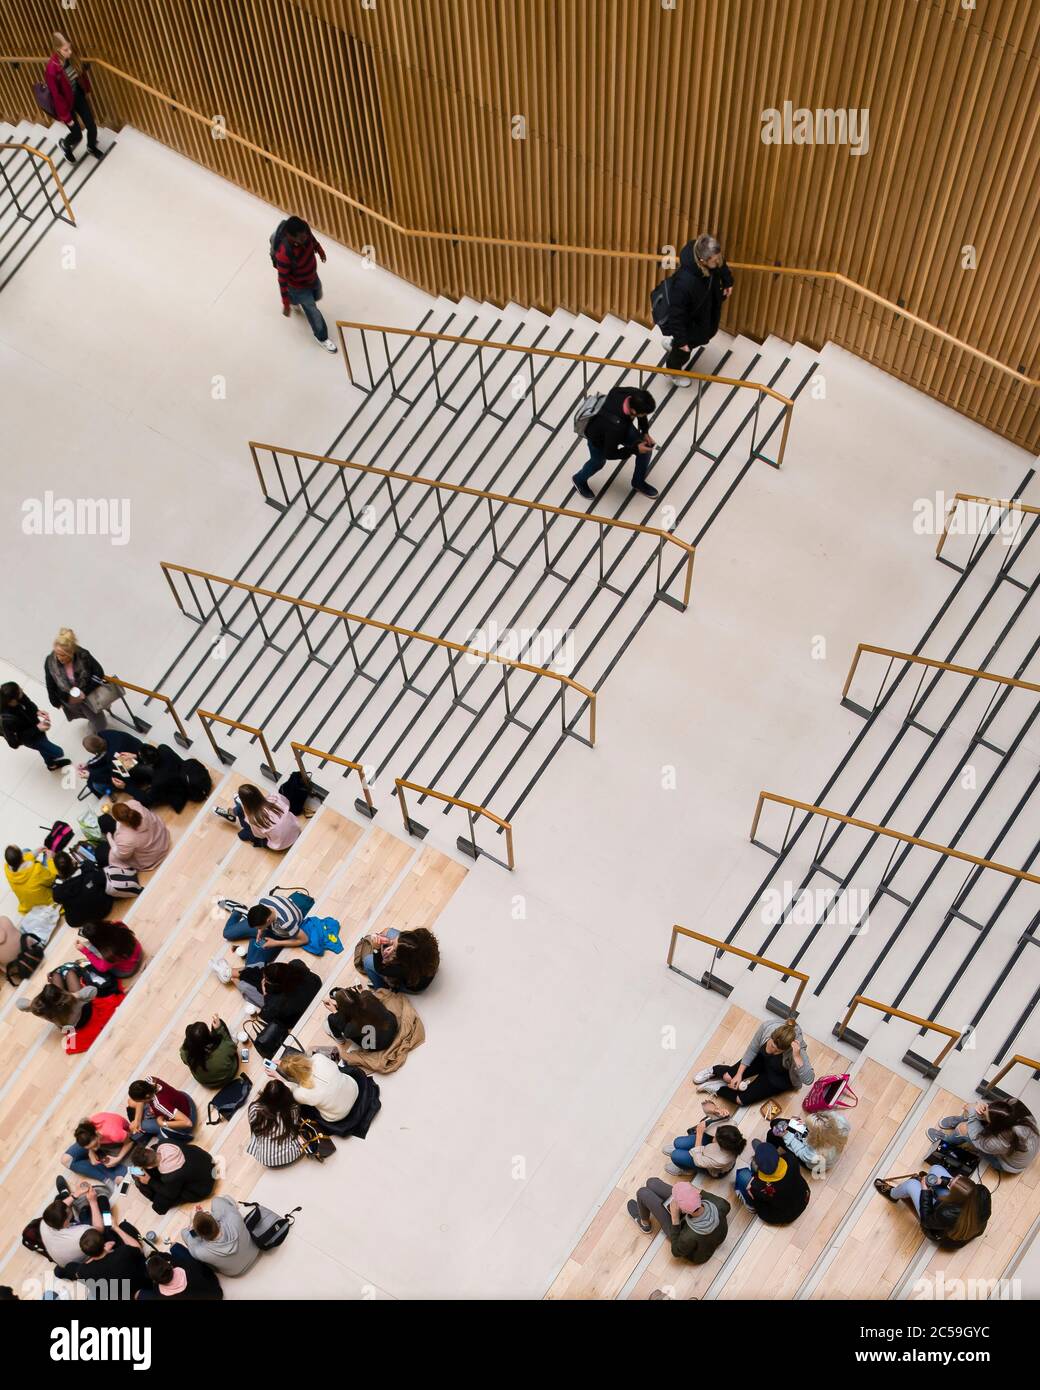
619	428
20	722
695	296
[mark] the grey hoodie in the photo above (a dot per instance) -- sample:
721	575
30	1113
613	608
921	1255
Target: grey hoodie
233	1251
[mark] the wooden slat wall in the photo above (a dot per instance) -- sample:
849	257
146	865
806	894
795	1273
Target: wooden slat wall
643	128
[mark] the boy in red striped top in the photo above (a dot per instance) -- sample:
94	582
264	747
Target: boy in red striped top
295	259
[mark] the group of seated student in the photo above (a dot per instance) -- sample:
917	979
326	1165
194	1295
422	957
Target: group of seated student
772	1184
112	953
153	774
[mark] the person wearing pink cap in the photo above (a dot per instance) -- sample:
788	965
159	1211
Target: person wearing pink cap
693	1221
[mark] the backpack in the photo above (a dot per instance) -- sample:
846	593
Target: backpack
32	1240
228	1099
122	883
831	1093
266	1228
58	836
661	300
589	407
29	955
42	96
199	782
277	237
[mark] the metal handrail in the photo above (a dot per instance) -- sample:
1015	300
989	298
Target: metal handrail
926	1023
1008	504
367	807
437	485
553	353
459	648
39	154
206	717
724	946
948	850
935	665
648	257
1017	1061
181	736
469	846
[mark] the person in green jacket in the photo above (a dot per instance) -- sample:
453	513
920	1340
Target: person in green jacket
693	1221
210	1053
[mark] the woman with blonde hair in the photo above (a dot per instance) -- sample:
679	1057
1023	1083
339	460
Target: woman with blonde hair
827	1133
76	681
266	821
69	87
774	1062
317	1081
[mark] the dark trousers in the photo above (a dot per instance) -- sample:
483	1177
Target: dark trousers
598	457
81	109
652	1201
678	358
760	1089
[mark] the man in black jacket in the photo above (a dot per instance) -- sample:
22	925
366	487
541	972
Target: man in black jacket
620	427
23	726
695	296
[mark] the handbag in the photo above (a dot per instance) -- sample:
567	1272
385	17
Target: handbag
101	698
269	1037
266	1228
830	1093
229	1099
315	1143
44	100
122	883
30	953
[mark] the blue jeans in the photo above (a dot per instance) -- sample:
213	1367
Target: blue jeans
237	928
307	300
368	965
913	1187
681	1147
82	1165
150	1125
741	1179
49	752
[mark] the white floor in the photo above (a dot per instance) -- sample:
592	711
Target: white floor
550	1044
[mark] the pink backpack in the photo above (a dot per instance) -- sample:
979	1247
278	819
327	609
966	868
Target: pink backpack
830	1093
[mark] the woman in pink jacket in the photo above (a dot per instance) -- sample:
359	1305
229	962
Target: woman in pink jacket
137	838
266	821
69	86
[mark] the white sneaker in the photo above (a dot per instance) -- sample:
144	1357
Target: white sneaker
710	1088
329	345
705	1074
221	969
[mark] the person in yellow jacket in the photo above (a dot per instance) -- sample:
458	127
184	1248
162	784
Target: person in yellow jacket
31	876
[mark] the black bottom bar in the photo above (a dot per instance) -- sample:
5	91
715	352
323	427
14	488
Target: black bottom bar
419	831
917	1063
777	1006
672	602
893	894
184	742
991	1092
857	709
269	773
856	1040
225	757
712	982
363	808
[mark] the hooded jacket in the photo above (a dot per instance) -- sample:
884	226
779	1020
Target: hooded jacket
20	722
699	1246
695	300
184	1174
232	1251
31	881
82	896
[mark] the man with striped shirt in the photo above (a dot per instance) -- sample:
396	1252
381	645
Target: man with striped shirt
295	259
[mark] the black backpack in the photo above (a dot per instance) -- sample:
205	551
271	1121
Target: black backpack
198	780
26	961
661	300
229	1099
32	1241
266	1228
277	237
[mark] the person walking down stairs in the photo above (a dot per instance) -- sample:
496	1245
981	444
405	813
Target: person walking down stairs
69	87
294	252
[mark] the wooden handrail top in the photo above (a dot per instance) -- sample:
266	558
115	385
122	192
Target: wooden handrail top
31	149
737	951
1010	503
327	757
445	642
479	492
1026	1061
947	850
469	238
453	801
233	723
564	356
941	666
901	1013
141	689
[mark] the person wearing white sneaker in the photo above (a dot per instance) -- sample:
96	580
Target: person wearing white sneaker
695	295
773	1063
295	250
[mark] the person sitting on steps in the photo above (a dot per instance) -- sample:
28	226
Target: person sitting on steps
688	1153
269	926
952	1210
266	821
693	1222
774	1187
621	427
80	891
774	1062
1003	1132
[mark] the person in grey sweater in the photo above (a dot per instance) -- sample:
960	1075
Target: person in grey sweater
775	1061
220	1237
1003	1132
